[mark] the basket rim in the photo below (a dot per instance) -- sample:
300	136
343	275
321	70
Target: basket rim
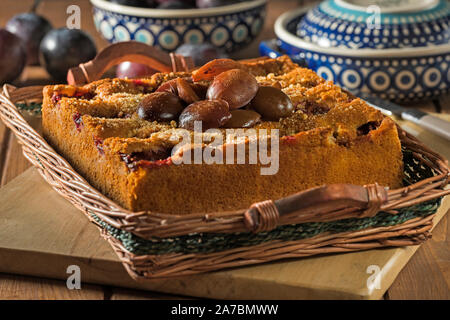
148	266
71	185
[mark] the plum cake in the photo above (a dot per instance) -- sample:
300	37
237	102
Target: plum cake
219	138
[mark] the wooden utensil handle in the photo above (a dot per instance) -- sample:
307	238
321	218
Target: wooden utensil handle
332	200
127	51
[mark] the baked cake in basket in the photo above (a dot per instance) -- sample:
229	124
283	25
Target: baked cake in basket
127	137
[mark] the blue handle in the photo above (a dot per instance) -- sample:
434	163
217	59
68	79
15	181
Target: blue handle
271	48
267	48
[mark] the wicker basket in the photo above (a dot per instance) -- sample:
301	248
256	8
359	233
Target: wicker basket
327	219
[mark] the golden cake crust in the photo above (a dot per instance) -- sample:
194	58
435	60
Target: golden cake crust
332	137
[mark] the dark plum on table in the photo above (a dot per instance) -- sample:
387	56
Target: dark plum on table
136	3
12	56
215	3
31	28
175	4
200	53
62	49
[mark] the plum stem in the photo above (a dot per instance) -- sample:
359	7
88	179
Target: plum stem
35	5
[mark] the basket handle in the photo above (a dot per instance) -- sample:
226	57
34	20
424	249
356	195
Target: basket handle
328	202
127	51
24	94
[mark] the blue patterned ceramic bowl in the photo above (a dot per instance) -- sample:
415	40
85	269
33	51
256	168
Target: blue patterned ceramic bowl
400	74
229	27
377	24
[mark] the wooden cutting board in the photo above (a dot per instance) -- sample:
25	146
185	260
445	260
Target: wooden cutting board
41	234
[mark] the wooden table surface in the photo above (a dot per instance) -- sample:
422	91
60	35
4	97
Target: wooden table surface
426	276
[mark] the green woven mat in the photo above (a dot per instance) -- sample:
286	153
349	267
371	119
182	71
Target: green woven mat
214	242
32	108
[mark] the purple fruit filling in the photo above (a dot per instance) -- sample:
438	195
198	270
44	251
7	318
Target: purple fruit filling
147	159
78	121
99	145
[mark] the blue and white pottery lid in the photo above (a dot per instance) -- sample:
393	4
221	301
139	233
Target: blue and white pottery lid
377	24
